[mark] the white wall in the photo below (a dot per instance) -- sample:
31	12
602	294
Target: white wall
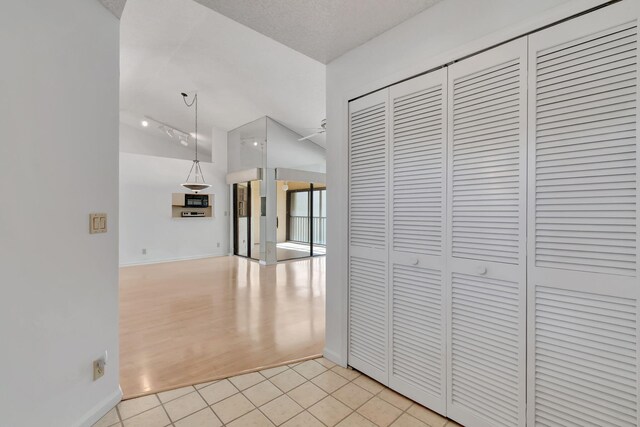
449	30
154	143
285	151
58	163
146	185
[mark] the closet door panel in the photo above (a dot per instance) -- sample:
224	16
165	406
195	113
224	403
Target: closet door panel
486	280
368	235
417	305
583	208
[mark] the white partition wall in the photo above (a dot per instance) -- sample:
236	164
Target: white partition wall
368	294
583	208
417	219
493	245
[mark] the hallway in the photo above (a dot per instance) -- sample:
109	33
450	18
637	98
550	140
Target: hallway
188	322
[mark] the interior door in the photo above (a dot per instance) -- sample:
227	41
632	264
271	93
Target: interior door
487	235
368	293
583	205
417	365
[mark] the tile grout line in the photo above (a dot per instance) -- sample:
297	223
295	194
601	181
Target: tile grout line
238	391
371	398
207	403
120	420
165	411
258	407
146	410
331	394
286	393
228	397
308	381
412	402
283	393
266	416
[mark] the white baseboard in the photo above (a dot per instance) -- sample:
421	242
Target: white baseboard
334	357
99	411
162	260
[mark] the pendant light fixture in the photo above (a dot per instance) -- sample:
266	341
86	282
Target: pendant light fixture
196	184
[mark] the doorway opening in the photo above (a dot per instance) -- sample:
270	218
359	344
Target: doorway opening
246	219
302	220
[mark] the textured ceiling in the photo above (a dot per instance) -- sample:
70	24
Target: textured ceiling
171	46
321	29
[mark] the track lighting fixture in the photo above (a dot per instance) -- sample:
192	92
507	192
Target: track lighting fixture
182	136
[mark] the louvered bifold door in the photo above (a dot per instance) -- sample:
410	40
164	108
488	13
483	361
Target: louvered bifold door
417	365
368	235
487	233
583	229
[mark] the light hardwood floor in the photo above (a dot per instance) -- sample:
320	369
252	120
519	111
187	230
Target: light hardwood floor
188	322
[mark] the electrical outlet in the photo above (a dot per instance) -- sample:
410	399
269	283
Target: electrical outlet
218	244
144	251
98	368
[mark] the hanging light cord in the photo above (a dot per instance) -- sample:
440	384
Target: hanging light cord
196	163
195	100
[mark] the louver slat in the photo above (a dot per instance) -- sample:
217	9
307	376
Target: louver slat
368	277
367	314
417	195
583	221
486	236
485	348
417	330
367	177
485	170
417	172
598	136
568	361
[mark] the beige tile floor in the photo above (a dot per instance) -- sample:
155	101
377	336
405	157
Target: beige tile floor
308	394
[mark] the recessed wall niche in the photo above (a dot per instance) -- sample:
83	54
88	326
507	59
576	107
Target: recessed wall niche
186	205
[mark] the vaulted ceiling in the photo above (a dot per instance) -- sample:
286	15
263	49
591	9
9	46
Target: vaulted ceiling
320	29
246	58
173	46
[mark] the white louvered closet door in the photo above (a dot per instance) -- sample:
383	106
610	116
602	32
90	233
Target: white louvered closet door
487	234
583	229
368	235
417	364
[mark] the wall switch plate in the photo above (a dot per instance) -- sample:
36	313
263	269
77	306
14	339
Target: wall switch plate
97	223
98	368
144	251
